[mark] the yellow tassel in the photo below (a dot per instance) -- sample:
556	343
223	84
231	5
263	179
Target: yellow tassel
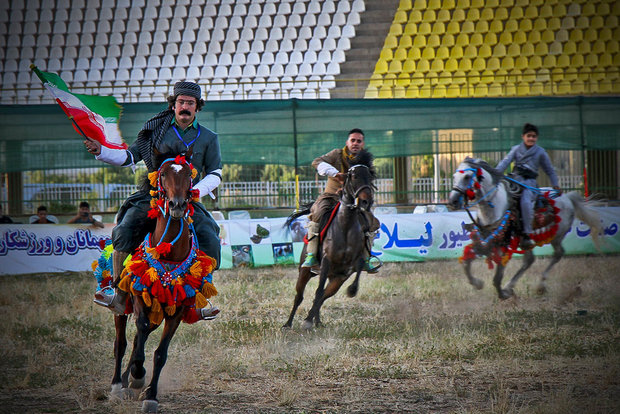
105	273
153	179
153	193
94	265
170	310
147	299
135	292
194	173
156	317
125	284
201	302
155	306
152	273
153	203
196	269
190	220
153	252
209	290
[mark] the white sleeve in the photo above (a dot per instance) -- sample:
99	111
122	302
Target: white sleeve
326	169
209	183
114	156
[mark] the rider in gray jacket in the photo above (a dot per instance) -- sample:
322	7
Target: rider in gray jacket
528	159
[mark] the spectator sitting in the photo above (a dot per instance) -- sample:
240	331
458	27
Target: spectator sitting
4	219
84	217
42	217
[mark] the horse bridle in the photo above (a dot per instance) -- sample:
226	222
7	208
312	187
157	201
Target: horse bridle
162	191
347	186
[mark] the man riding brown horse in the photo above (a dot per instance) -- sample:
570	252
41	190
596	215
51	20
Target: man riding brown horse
335	165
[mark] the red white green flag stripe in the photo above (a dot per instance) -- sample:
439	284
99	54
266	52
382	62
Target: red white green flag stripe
95	117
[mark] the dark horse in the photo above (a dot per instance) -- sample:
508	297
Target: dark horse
497	230
342	249
167	279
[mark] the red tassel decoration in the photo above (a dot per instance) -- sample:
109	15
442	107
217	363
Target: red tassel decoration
163	248
153	213
180	160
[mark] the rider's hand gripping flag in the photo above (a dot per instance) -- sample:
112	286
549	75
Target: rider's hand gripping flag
94	117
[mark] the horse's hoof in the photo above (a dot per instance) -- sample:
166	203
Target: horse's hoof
136	383
307	325
116	392
477	283
506	293
149	406
541	289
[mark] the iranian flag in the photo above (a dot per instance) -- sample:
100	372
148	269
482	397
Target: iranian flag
95	117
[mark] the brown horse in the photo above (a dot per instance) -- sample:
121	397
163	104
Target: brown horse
342	250
167	279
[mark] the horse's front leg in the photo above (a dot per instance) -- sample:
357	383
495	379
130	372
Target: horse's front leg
302	280
120	345
475	282
353	287
330	290
133	376
149	394
318	296
558	253
528	259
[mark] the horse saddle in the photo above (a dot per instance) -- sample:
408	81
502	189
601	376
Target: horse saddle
544	212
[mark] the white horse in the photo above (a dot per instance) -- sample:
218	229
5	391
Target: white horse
497	230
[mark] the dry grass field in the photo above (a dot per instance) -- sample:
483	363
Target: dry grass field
417	338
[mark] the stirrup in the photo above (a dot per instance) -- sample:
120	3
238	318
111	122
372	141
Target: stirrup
111	299
208	313
372	269
310	261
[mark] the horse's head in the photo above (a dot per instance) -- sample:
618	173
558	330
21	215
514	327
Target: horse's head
174	183
358	190
469	181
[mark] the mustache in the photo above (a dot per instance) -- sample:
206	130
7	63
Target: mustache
185	112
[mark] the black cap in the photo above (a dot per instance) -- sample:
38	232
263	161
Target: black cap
187	88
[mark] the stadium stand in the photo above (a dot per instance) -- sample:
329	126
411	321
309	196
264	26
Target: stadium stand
270	49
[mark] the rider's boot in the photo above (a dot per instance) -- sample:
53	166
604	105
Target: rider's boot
208	312
313	245
114	299
368	266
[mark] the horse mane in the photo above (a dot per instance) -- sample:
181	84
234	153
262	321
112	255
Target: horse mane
364	157
478	162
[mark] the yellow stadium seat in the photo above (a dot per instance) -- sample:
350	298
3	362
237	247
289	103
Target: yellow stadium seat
523	89
535	62
462	39
521	62
612	46
549	62
547	36
396	66
463	4
482	27
415	16
409	66
570	48
453	28
484	51
588	9
505	38
470	52
405	5
396	29
513	50
591	60
563	61
434	4
559	10
448	4
499	50
577	87
507	3
447	40
582	23
476	39
495	89
487	76
519	37
468	27
419	4
545	11
612	21
400	54
429	16
605	60
554	24
417	79
537	89
400	17
438	28
391	42
425	91
442	53
451	65
604	34
465	64
481	90
487	14
508	63
385	92
389	79
555	48
476	4
443	16
540	24
576	61
424	28
399	92
411	92
533	37
490	38
376	80
414	53
525	25
439	91
590	35
605	86
492	63
405	41
478	64
557	74
496	26
433	41
516	13
568	23
602	9
456	52
563	87
453	91
541	49
419	41
531	12
428	53
473	15
386	54
410	29
437	65
458	15
423	66
371	93
459	78
381	67
583	47
501	13
403	79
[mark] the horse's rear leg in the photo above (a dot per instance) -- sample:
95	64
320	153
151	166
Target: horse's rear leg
528	259
149	394
302	280
120	345
558	253
475	282
318	296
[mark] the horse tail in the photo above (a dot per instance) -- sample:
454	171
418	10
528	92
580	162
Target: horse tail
584	210
305	209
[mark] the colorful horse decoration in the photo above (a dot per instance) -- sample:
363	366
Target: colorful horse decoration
497	231
168	278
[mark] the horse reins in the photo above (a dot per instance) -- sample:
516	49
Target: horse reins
356	193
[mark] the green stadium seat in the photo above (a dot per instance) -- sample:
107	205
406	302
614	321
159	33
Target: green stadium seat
499	50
